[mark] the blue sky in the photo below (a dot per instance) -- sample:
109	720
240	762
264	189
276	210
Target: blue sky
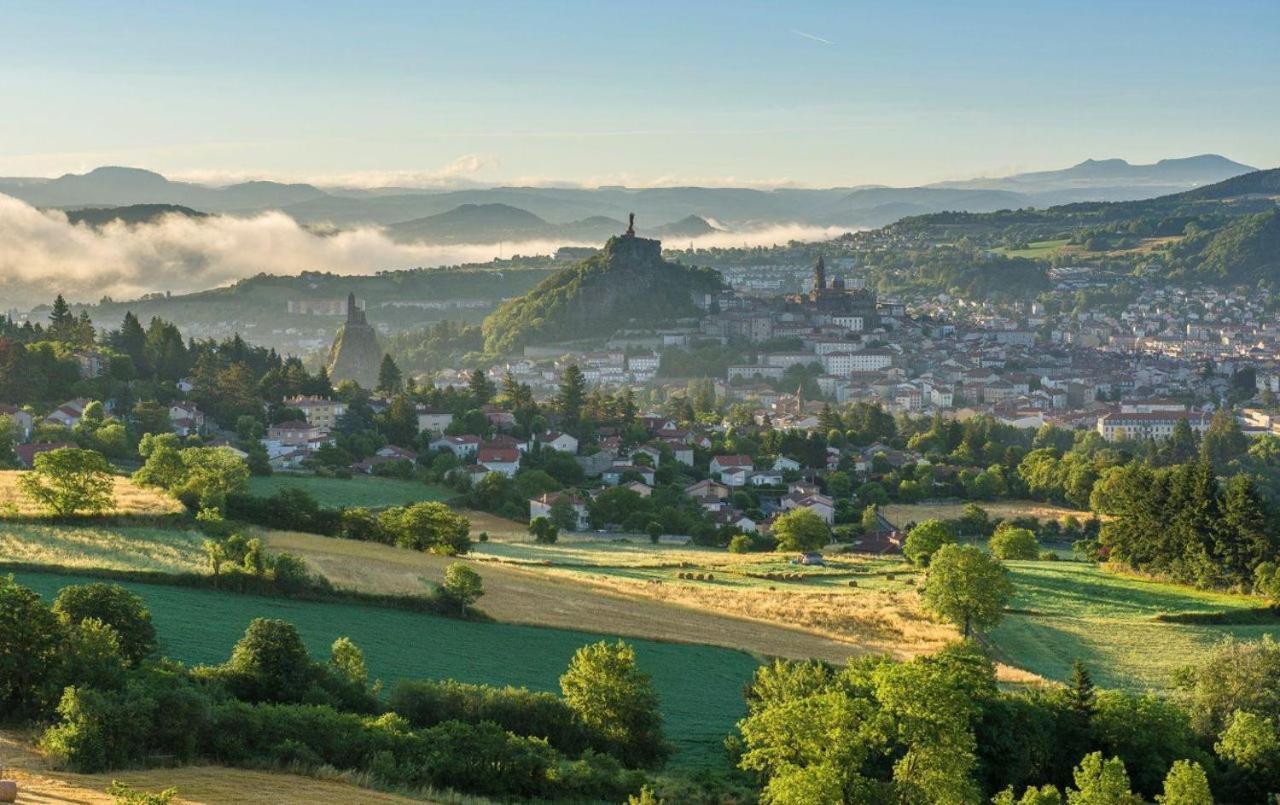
814	93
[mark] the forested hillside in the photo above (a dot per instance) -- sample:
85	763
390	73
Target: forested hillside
628	282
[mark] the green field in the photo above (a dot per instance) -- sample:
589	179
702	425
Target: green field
1037	250
362	490
1107	621
700	687
636	558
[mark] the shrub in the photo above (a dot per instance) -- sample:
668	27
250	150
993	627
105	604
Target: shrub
740	543
426	703
116	607
30	662
616	699
800	530
1009	542
925	539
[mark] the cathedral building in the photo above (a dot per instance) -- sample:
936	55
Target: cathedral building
831	302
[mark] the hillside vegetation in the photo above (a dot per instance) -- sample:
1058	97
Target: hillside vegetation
627	282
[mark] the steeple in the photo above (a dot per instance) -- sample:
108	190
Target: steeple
351	306
820	275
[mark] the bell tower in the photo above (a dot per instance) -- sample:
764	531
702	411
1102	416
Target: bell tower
820	275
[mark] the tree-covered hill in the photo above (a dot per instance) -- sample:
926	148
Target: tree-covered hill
1245	251
626	282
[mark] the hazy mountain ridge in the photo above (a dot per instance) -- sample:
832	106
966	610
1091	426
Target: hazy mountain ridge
853	207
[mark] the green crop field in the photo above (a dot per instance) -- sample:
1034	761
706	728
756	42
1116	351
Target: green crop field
1108	622
700	687
362	490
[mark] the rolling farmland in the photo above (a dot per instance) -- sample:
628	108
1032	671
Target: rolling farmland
700	687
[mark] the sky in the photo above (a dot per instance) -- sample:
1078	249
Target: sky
643	93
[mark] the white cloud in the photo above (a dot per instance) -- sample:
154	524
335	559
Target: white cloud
42	254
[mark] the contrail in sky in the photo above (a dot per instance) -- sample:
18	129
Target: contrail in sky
812	37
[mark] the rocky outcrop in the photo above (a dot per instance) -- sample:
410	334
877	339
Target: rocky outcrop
356	353
626	284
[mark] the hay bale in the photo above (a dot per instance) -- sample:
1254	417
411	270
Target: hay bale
853	582
772	589
890	576
8	791
710	577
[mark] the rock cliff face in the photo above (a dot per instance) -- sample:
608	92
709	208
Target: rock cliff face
356	353
626	284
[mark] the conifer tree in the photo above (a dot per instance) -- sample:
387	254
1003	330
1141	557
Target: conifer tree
389	379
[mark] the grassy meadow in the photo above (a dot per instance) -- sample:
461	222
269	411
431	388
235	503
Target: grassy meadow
368	491
1037	250
700	687
1069	610
128	547
902	513
130	499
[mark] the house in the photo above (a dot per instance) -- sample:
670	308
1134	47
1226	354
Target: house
682	453
735	477
500	419
765	478
613	475
707	488
784	464
91	363
560	442
654	454
186	418
1157	425
27	452
296	433
288	458
461	446
384	455
68	414
720	464
498	458
433	420
820	505
541	507
22	419
320	411
641	489
654	423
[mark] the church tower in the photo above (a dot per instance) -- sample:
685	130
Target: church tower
820	275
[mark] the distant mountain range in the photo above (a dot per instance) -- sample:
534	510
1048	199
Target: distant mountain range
514	213
492	223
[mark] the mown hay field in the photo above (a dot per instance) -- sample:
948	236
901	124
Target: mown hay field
109	547
129	499
540	596
40	785
368	491
900	514
700	687
1069	610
